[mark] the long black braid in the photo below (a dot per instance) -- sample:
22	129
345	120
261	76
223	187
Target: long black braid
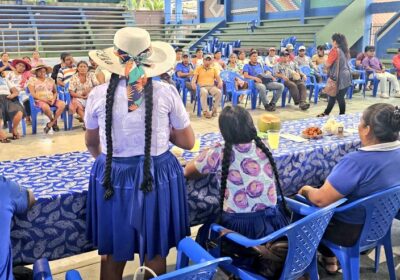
147	184
230	120
226	162
109	110
260	144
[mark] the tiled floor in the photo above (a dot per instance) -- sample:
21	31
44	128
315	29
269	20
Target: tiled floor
61	142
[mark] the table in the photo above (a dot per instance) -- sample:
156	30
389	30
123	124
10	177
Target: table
55	227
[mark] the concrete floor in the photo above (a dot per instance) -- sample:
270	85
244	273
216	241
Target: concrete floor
62	142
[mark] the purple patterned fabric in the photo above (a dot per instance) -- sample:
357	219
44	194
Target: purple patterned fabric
250	182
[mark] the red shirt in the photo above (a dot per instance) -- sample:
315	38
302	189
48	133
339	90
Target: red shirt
396	64
333	55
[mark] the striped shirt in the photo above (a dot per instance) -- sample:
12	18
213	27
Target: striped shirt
66	73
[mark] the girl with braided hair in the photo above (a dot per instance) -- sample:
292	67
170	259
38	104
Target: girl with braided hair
248	177
137	194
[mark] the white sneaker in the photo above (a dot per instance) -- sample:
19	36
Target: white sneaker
397	94
384	95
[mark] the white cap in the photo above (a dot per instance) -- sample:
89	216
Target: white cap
289	47
302	48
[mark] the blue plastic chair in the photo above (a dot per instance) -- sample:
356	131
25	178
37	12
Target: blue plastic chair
197	102
310	82
228	77
181	86
380	210
303	238
374	81
205	264
204	268
362	81
41	270
64	95
36	110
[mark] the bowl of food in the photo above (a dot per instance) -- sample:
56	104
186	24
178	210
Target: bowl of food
312	132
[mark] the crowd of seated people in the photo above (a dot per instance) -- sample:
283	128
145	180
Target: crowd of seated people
31	76
275	70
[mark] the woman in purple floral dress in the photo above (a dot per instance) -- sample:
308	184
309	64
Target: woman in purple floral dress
248	178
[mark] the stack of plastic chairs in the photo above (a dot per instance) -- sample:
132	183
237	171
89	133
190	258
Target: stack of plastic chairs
303	238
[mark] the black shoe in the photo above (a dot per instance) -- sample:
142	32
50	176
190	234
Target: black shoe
273	106
269	108
304	106
56	128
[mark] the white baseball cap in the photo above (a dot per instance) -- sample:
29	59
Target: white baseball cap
302	48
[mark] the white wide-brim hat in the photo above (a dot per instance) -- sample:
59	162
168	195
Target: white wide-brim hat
134	41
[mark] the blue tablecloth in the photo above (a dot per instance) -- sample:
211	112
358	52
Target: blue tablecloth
55	227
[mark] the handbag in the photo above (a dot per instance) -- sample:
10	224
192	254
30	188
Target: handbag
268	259
266	79
331	87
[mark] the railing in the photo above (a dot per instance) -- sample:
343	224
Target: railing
18	33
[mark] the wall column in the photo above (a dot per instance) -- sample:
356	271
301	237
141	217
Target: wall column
367	24
167	11
304	8
261	11
227	10
178	11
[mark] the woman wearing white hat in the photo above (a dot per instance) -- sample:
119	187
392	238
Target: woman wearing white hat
137	197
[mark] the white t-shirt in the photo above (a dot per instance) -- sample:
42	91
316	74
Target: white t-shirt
128	128
5	86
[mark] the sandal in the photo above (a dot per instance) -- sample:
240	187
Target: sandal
55	127
47	128
325	262
321	115
214	113
5	140
207	115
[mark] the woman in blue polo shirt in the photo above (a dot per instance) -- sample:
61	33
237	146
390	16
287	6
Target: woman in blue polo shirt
373	168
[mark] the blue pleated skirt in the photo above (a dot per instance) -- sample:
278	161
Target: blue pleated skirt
149	224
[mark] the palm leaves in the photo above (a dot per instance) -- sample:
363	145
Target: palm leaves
152	5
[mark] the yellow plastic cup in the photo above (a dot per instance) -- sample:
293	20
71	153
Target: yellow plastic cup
273	139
